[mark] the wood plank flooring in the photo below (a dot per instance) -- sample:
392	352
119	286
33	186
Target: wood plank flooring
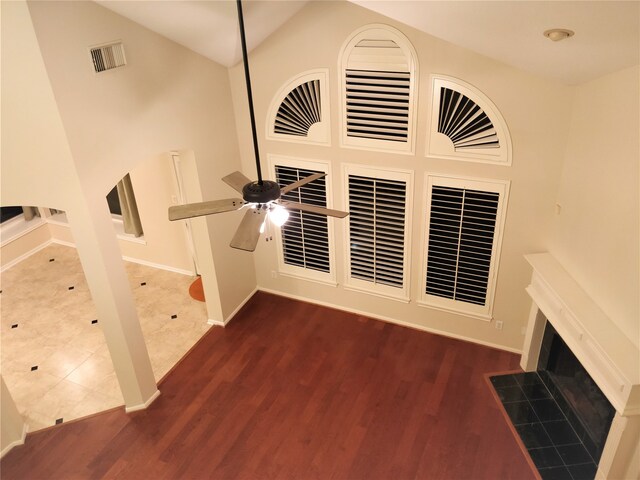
297	391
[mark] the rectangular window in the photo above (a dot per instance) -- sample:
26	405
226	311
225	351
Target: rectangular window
7	213
463	237
378	228
122	204
305	241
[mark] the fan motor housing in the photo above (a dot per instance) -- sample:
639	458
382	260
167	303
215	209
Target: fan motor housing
256	192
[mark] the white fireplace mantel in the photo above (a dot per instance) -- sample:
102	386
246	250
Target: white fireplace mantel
611	359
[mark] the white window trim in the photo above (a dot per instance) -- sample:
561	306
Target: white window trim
327	278
118	225
58	218
439	145
403	148
324	137
399	294
462	308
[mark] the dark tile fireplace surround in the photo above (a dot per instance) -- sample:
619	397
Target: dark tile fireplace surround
558	411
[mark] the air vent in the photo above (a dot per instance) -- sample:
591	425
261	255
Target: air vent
299	110
464	122
107	57
466	125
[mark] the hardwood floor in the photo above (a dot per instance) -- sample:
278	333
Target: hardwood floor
294	390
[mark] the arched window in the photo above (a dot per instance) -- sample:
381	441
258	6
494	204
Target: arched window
466	125
379	72
299	111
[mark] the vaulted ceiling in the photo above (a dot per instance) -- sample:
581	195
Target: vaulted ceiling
606	32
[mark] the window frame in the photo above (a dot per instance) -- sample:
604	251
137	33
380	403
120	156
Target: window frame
390	33
323	136
371	288
328	278
439	146
502	187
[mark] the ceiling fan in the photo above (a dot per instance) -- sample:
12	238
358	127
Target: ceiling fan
262	198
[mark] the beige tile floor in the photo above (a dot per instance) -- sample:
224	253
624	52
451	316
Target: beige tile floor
46	324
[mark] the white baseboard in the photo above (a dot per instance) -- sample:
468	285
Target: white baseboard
25	255
393	320
142	406
222	323
73	245
136	260
63	242
15	443
190	273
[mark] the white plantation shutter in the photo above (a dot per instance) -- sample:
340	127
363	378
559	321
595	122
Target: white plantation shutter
379	72
464	225
464	122
305	241
377	230
378	104
466	125
299	111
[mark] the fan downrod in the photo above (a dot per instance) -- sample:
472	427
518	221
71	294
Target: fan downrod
261	192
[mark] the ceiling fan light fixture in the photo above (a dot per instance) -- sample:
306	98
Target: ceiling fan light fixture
557	34
278	215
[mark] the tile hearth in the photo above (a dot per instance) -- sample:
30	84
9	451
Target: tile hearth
54	357
555	448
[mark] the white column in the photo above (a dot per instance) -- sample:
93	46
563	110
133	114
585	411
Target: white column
621	455
201	238
97	245
12	427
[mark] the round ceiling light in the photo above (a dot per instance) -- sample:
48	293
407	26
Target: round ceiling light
557	34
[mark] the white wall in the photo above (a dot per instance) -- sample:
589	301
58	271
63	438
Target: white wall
15	250
536	111
37	166
596	235
166	98
12	426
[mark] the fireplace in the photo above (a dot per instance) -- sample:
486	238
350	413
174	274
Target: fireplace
584	405
589	365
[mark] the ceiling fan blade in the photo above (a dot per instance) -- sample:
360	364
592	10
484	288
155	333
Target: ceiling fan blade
301	182
248	233
314	209
189	210
236	180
